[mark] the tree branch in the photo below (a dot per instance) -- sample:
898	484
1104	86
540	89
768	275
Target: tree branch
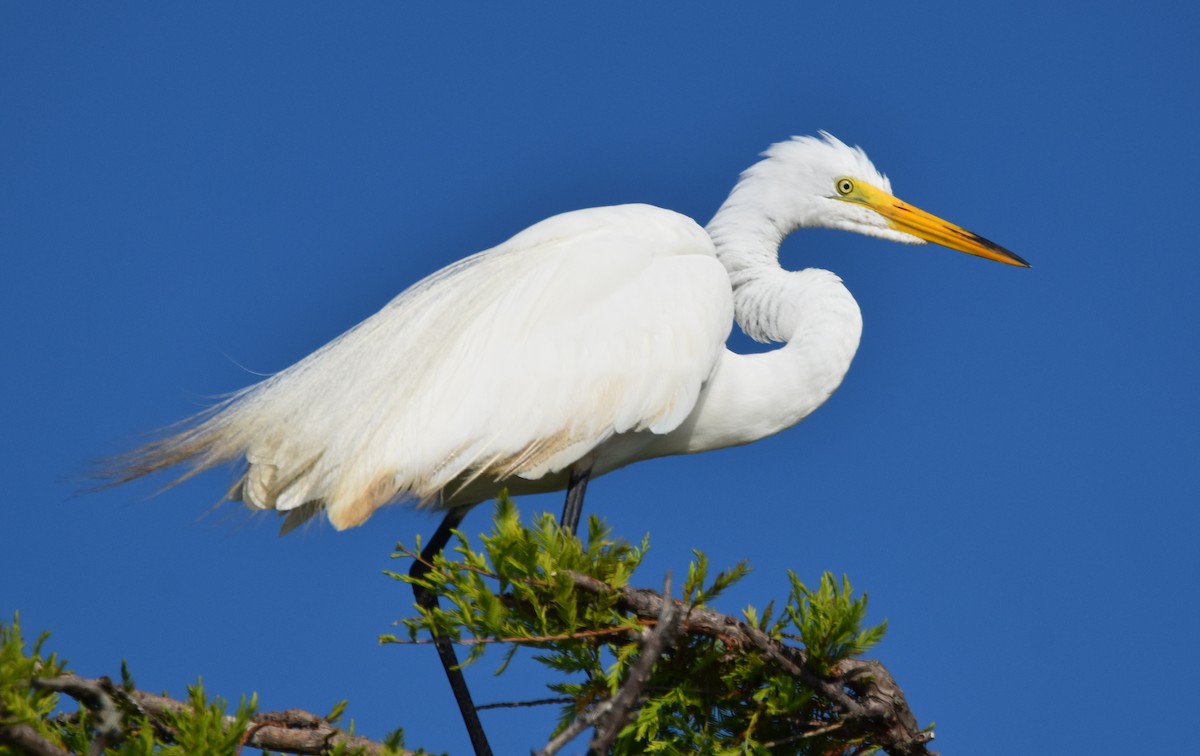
97	696
25	739
611	715
865	695
658	639
288	731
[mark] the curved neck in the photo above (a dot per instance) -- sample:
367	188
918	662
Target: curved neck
747	237
754	396
770	303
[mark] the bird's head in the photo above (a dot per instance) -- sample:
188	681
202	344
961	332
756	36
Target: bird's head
822	182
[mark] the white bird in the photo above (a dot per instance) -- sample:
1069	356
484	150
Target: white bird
588	341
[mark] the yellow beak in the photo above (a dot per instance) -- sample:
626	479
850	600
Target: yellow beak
912	220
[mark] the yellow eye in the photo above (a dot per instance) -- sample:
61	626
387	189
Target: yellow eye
844	186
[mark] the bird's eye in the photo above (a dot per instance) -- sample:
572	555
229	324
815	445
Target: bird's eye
844	186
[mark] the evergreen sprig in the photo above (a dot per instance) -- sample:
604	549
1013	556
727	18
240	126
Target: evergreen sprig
650	673
20	703
705	694
118	720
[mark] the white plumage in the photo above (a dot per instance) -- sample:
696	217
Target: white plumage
593	336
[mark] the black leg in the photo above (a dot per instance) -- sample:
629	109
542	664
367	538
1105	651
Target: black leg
573	508
445	648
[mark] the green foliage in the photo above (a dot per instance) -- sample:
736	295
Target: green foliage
20	703
829	621
201	726
704	695
529	569
337	711
712	690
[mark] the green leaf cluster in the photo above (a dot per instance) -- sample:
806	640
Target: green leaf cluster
20	703
705	695
202	726
830	621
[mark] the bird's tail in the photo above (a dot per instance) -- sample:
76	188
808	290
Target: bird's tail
274	475
192	442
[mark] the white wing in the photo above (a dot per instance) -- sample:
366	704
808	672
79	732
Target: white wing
517	361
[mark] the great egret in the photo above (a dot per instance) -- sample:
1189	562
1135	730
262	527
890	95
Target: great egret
588	341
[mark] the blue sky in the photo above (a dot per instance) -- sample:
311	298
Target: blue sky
190	196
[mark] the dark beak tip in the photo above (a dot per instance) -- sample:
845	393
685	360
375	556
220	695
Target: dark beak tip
1018	260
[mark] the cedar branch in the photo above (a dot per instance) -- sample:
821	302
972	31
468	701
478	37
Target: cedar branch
869	702
288	731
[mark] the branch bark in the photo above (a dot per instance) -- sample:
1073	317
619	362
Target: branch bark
868	701
25	739
610	716
288	731
864	693
624	702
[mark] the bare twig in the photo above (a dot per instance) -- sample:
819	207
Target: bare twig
524	704
819	728
611	715
657	640
581	723
517	639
